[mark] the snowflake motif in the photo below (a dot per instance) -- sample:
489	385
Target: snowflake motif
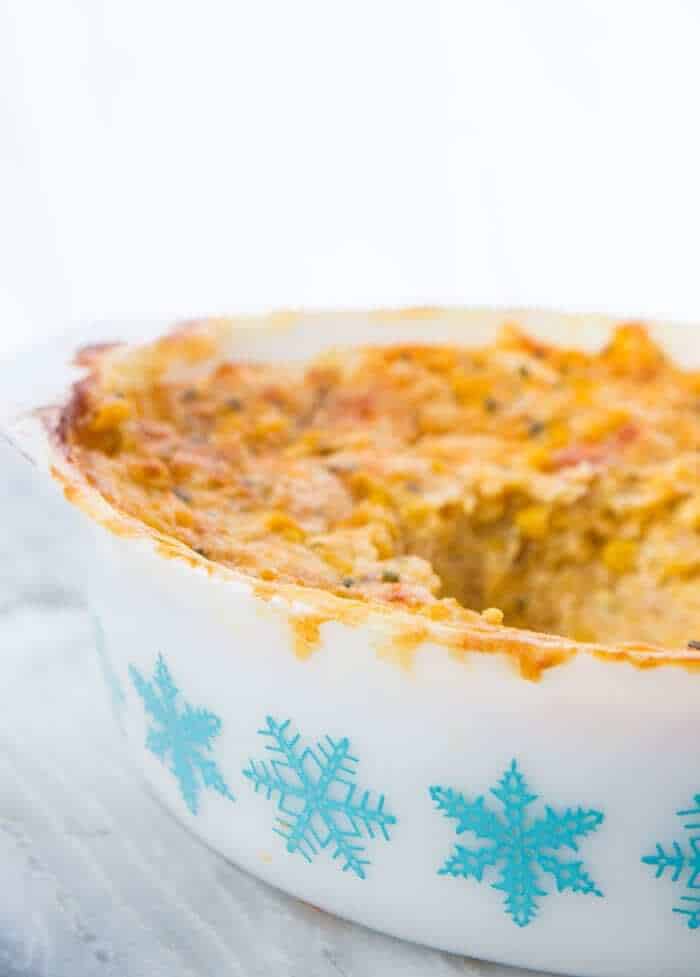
181	733
683	864
316	797
517	843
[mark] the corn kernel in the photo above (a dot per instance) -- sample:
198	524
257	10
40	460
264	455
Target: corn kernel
149	471
110	414
681	567
270	424
336	560
493	615
184	517
583	391
383	541
604	424
689	513
620	555
438	359
415	513
539	457
228	423
279	522
633	353
533	521
308	443
437	418
558	435
490	510
370	488
582	632
276	520
468	388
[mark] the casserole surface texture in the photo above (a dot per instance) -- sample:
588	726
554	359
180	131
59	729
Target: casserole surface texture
556	488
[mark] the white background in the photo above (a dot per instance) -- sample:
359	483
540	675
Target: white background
160	158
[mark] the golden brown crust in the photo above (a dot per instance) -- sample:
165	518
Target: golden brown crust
504	469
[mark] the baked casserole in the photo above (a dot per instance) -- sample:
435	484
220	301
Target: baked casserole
547	488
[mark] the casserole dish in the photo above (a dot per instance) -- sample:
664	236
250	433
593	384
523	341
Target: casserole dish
509	795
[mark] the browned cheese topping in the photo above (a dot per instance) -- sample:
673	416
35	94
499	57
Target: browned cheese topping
560	487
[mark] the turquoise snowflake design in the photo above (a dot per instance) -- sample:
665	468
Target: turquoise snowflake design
317	797
517	844
683	864
180	735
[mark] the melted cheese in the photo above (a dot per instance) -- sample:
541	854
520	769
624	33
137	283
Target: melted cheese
558	487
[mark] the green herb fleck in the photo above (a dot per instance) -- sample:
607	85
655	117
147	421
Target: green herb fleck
182	495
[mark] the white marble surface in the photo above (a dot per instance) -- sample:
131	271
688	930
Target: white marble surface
97	880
